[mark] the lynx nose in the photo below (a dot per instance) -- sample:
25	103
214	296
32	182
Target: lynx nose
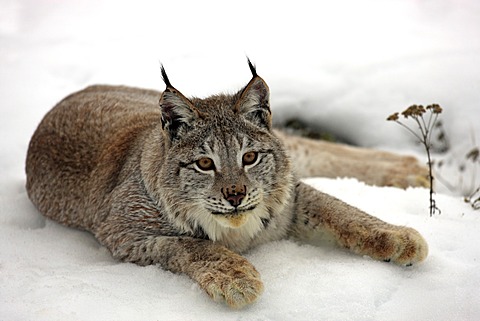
234	194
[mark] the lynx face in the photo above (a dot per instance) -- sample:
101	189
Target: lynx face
225	171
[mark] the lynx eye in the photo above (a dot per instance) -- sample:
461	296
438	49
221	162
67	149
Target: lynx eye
249	158
205	164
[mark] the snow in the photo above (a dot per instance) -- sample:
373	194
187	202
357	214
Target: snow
344	66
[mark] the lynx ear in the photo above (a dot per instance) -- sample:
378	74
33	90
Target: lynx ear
254	101
178	113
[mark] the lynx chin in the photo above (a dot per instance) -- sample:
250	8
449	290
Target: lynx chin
189	184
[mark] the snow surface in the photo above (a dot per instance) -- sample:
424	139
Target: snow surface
342	65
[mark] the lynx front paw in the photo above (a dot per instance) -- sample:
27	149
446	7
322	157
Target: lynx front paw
234	281
404	246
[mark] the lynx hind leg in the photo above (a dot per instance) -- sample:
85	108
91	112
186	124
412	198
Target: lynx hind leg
405	171
321	214
312	158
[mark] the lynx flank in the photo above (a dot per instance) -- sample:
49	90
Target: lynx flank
189	184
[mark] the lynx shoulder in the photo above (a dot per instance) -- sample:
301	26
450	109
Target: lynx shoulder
189	184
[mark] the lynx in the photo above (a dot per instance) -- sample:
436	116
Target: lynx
189	184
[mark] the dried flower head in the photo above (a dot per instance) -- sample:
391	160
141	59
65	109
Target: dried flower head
436	109
393	117
413	111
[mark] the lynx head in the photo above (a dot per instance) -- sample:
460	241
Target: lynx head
225	173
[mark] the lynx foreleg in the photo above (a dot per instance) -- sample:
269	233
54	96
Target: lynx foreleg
319	214
223	274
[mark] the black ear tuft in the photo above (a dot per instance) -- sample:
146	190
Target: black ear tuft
178	112
165	77
252	67
254	101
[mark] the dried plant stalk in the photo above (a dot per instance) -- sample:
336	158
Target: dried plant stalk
424	136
